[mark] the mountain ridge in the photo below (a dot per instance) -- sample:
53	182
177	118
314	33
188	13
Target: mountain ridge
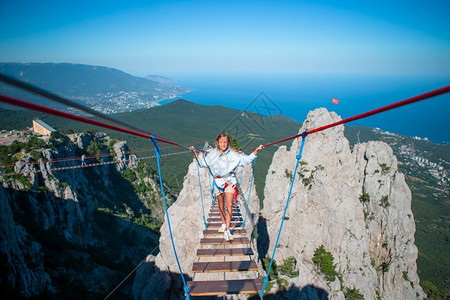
105	89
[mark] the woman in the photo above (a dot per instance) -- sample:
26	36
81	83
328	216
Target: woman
222	162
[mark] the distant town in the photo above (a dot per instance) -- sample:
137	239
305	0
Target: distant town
411	157
111	103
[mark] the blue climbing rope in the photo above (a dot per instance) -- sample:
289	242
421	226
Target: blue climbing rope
213	182
158	156
242	175
201	195
239	181
249	192
211	187
299	156
213	198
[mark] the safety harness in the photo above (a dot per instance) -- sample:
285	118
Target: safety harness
236	194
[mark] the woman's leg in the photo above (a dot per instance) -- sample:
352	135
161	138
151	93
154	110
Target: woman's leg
221	207
229	203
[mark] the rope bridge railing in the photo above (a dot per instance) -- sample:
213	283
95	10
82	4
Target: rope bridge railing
87	165
75	162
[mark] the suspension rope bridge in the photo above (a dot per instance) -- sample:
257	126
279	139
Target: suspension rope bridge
74	161
202	288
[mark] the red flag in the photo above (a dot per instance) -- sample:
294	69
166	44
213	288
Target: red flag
335	101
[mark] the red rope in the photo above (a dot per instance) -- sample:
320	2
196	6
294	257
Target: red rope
29	105
417	98
58	113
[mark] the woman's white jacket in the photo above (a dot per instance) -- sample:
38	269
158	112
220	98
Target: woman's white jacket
223	165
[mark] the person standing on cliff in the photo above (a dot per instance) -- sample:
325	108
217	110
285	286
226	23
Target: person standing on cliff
222	162
83	160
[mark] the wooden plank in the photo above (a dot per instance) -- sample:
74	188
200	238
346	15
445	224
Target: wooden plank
224	266
216	232
224	287
219	219
216	210
224	252
235	214
217	213
217	207
236	219
234	207
222	241
216	204
218	225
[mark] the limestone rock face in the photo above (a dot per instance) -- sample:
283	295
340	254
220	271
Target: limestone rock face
357	205
151	283
17	252
53	203
389	218
123	158
83	139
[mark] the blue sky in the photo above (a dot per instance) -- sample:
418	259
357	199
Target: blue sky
183	37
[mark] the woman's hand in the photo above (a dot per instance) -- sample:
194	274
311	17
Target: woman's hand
192	148
257	149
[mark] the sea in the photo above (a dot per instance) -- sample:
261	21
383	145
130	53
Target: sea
294	95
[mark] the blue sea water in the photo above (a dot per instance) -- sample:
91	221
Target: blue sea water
295	95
